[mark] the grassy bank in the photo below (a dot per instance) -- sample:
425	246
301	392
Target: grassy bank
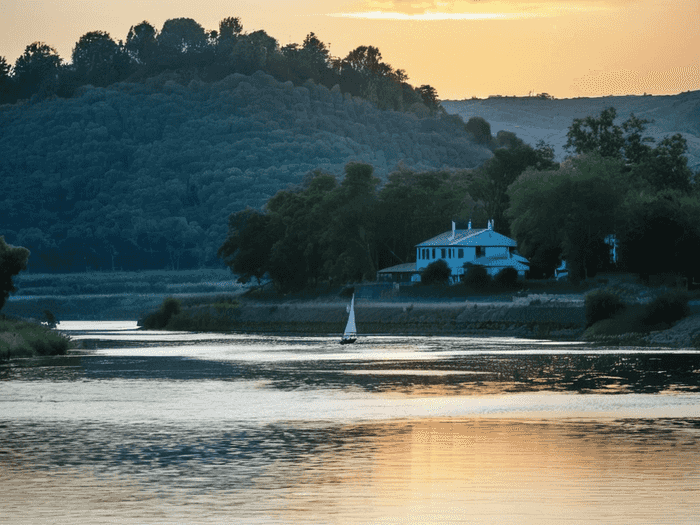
27	339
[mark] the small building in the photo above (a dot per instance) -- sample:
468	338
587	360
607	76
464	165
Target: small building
483	247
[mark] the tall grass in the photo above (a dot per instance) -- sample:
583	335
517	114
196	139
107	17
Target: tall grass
26	339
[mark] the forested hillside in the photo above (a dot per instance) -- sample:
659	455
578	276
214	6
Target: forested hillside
144	175
543	118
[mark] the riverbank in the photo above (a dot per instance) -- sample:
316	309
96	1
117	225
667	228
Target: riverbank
20	338
538	316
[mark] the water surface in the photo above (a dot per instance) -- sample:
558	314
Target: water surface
150	427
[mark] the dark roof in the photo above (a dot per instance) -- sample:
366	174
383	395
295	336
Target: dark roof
400	268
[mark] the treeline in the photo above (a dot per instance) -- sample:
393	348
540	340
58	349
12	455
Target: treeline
183	46
143	175
335	231
617	190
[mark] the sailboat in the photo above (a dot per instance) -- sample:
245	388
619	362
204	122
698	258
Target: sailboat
350	334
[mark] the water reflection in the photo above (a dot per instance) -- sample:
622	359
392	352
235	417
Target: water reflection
212	428
435	470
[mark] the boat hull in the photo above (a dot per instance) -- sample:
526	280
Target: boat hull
348	341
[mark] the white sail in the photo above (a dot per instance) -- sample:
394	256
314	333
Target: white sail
350	329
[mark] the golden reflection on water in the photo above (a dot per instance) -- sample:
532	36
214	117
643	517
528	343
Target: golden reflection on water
507	471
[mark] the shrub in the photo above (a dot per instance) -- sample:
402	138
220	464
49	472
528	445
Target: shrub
507	278
159	320
437	272
601	304
476	276
667	308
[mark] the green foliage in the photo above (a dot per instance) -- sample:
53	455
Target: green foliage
660	233
13	259
601	304
664	167
36	70
26	339
499	172
506	278
667	308
476	277
566	212
437	272
160	319
480	129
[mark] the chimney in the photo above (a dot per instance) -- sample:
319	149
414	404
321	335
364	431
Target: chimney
491	224
453	230
470	224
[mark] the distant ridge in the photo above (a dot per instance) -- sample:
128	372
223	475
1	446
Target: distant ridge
534	118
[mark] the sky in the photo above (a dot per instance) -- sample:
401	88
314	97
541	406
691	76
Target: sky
463	48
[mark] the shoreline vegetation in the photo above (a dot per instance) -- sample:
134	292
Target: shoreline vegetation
637	316
211	300
20	338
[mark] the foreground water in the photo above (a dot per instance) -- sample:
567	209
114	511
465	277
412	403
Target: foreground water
147	427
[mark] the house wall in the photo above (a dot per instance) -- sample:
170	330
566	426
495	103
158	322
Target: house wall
451	256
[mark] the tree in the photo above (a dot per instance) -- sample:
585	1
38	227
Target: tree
437	272
13	259
6	84
480	129
141	43
36	70
666	166
567	212
499	172
230	28
248	246
430	96
600	135
97	59
660	234
180	41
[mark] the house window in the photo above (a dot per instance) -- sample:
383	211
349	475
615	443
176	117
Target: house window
479	251
433	253
442	252
460	253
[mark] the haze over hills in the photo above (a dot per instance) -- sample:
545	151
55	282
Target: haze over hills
534	119
144	175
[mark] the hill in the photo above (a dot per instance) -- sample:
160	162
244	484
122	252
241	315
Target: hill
534	118
144	175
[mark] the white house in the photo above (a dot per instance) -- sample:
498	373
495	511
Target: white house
484	247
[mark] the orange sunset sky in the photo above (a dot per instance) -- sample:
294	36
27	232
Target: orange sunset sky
464	48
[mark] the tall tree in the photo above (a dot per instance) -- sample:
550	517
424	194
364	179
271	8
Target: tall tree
141	42
6	84
180	42
430	96
568	212
97	59
36	69
13	259
498	173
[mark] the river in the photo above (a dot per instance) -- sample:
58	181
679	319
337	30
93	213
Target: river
154	427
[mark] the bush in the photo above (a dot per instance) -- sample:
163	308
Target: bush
437	272
476	277
160	319
601	304
667	308
507	278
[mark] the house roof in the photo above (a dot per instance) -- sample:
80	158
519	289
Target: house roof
473	237
400	268
503	261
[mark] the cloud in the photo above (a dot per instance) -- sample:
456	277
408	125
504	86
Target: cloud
433	10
